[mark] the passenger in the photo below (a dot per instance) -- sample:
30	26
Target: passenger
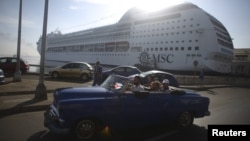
137	84
149	81
165	86
97	74
155	86
202	76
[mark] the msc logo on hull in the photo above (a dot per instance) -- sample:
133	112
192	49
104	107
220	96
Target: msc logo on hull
146	59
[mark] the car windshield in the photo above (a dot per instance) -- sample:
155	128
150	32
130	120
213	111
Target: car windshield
90	67
115	83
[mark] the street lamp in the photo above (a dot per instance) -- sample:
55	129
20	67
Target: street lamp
41	92
17	75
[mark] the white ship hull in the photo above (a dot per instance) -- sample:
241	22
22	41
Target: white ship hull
182	38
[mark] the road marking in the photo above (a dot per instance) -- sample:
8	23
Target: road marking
162	136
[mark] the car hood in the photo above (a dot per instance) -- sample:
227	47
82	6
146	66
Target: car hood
80	92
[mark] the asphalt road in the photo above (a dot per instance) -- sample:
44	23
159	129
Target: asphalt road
229	105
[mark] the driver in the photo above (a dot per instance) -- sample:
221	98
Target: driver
137	84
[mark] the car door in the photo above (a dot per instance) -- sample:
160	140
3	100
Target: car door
3	64
144	108
76	70
65	70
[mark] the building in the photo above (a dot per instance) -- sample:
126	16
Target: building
241	62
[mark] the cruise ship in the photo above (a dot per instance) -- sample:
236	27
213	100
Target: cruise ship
183	37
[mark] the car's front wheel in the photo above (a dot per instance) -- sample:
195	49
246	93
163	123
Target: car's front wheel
85	129
55	75
185	119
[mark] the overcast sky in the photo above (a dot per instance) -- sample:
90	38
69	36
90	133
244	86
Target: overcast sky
75	15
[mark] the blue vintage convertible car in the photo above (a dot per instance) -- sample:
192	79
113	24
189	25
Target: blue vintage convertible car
85	111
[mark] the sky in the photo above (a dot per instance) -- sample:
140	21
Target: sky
75	15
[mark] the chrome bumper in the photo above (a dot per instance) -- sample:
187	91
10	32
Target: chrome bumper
51	121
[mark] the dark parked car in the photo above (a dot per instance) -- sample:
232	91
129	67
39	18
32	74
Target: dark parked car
84	111
2	76
81	70
158	75
8	65
121	70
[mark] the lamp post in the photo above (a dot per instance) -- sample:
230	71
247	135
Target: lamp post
17	75
41	92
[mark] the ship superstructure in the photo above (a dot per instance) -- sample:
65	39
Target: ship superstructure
182	38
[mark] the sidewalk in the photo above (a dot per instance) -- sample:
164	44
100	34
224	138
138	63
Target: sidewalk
17	97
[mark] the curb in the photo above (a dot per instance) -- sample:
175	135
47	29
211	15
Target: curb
22	92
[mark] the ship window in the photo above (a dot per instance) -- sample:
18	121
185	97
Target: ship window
183	26
192	19
196	40
190	41
172	41
189	48
196	48
161	49
152	49
176	48
166	48
190	32
183	32
171	48
182	48
156	49
191	25
182	41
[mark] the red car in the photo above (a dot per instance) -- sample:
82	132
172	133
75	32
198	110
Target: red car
8	65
